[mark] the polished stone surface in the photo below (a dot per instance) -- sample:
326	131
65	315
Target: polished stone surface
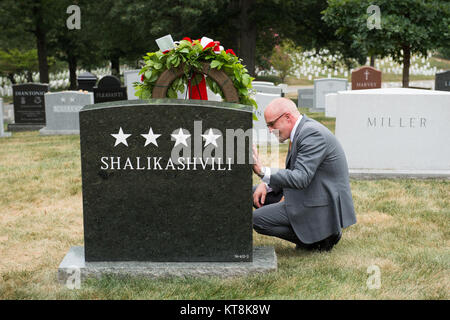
109	89
29	105
154	210
442	81
74	265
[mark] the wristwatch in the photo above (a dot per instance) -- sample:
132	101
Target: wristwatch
262	173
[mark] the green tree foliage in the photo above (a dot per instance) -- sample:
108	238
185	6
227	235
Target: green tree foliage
407	27
281	60
14	61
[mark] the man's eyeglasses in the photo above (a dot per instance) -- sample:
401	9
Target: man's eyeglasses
272	123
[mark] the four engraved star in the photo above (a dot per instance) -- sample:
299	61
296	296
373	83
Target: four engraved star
180	137
150	137
210	138
121	137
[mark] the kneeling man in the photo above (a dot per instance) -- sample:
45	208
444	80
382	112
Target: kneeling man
310	201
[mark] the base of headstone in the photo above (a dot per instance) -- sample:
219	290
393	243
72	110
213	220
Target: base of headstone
48	132
316	109
362	174
264	260
16	127
5	134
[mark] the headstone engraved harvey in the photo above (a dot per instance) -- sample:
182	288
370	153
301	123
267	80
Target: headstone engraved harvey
109	89
86	81
323	87
61	111
366	78
166	188
29	106
2	129
442	81
395	132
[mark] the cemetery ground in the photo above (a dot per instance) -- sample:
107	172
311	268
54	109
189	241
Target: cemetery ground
402	228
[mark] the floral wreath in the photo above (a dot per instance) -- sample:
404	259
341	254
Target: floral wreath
190	54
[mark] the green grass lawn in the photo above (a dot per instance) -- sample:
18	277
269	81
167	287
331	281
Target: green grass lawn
403	229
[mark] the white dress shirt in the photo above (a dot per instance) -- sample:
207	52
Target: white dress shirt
266	170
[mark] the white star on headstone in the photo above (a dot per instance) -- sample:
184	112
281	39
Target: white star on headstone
150	137
210	138
180	137
72	99
121	137
63	99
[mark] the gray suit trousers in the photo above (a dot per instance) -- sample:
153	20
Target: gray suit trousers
272	219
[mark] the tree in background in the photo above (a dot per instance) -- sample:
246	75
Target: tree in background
281	60
18	19
408	27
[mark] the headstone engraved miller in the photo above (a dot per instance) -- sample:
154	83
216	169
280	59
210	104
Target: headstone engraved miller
109	89
166	190
442	81
29	106
61	111
395	132
2	129
366	78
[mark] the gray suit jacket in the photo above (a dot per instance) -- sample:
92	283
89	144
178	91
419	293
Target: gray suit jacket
315	183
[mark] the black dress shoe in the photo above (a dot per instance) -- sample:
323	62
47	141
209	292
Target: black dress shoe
328	243
324	245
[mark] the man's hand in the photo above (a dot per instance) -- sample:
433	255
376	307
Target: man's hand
257	167
259	196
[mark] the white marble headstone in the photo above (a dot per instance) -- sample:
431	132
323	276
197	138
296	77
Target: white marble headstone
305	98
267	89
130	77
2	129
330	105
325	86
261	134
395	131
62	111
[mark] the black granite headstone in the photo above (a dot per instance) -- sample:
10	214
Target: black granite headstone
442	81
109	89
142	202
86	81
29	106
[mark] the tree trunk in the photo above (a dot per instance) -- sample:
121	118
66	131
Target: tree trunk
406	64
372	61
41	45
246	35
29	76
72	72
11	78
115	66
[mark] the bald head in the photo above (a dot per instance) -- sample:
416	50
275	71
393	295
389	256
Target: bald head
281	115
280	106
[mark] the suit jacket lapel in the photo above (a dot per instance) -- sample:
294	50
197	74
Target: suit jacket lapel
296	134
